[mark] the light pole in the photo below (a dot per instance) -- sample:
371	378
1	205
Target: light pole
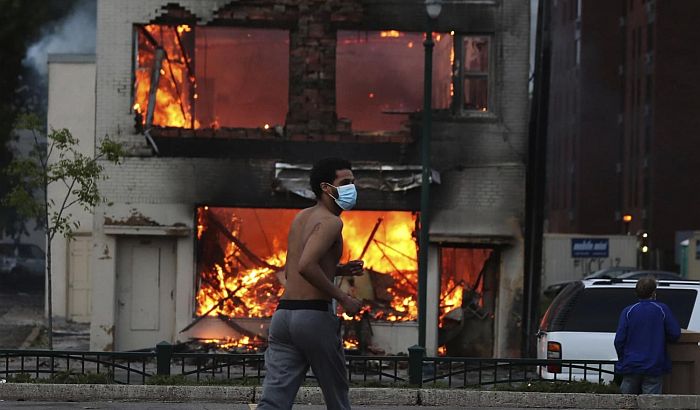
433	8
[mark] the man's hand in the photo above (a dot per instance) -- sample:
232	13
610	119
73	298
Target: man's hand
352	268
350	305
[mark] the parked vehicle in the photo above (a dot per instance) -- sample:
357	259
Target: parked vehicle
581	321
20	260
7	258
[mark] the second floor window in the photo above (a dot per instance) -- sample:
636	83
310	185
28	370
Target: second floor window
211	77
473	75
379	77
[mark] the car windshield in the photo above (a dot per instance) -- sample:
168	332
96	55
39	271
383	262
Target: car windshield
598	309
31	251
25	251
7	250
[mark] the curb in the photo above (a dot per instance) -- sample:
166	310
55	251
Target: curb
358	396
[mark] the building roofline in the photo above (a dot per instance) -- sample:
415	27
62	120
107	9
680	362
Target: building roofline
71	58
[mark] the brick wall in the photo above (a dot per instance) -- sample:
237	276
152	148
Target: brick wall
482	188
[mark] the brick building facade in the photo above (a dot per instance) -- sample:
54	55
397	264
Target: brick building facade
659	162
478	148
621	122
583	130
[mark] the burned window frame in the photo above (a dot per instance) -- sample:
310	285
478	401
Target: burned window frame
381	30
460	75
141	123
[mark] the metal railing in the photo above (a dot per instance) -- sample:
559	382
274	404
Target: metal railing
113	367
229	368
473	372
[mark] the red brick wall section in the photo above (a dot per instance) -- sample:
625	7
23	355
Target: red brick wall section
312	103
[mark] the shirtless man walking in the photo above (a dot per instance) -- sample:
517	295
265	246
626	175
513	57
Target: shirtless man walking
305	331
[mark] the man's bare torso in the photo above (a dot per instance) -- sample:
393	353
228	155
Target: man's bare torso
304	225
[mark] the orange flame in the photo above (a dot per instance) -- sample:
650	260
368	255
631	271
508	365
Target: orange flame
388	286
351	343
233	290
451	298
390	33
175	88
229	343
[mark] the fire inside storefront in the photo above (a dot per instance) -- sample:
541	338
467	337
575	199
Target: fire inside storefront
240	272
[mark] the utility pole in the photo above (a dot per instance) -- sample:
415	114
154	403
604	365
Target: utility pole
535	181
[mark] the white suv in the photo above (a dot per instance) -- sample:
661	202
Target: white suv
581	321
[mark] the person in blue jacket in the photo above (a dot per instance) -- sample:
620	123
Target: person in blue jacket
640	341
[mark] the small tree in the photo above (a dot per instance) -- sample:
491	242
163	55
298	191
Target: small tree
57	161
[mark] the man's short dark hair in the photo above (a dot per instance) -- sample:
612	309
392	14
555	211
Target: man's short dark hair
645	287
325	171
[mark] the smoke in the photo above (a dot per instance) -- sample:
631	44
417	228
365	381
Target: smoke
76	33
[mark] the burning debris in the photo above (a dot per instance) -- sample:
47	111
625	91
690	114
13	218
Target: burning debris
165	59
241	256
240	264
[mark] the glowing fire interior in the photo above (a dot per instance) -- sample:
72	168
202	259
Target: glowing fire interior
247	273
176	78
209	77
241	256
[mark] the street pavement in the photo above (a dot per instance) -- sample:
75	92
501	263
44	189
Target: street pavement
201	406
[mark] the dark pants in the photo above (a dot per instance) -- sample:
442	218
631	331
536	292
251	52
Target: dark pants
299	339
641	384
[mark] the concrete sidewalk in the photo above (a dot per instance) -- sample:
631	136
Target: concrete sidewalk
358	396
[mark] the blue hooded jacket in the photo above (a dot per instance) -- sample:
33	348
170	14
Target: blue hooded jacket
640	340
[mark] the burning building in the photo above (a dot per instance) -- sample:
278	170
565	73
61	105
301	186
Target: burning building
223	106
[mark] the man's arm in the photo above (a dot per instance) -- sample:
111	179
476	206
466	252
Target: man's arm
621	334
671	326
322	237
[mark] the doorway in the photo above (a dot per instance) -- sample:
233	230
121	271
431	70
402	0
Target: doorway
468	289
145	292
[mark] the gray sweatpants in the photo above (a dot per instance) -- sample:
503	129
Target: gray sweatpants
299	339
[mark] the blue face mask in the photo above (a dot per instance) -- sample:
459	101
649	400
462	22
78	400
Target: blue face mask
347	196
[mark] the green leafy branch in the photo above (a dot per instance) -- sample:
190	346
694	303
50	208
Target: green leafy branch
58	162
